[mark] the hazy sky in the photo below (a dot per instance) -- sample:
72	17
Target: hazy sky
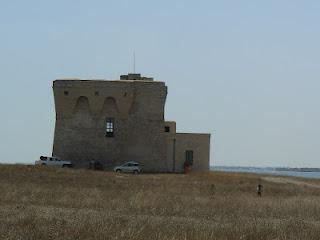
248	72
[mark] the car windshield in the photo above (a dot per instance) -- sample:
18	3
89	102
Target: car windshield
130	164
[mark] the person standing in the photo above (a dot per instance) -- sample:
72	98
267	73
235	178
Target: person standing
259	189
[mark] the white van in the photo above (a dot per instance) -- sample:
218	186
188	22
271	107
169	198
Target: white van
52	161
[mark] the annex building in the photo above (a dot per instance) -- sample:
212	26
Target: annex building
115	121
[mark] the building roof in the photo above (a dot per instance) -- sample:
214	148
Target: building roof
130	77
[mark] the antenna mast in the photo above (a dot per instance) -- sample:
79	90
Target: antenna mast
134	61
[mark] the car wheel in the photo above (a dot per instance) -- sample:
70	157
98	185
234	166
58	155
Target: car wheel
43	164
118	171
135	172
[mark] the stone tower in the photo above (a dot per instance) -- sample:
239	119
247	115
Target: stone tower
111	122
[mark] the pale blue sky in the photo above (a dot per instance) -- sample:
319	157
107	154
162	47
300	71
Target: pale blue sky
246	71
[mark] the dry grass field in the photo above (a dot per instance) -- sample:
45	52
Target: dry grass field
49	203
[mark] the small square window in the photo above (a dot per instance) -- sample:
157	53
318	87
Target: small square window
96	93
167	129
66	93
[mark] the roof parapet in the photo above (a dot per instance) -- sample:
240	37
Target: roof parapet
135	76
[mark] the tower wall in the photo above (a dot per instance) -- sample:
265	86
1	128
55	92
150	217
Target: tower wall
137	108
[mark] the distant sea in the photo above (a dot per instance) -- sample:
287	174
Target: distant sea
295	172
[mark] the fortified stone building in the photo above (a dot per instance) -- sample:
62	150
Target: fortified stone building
122	120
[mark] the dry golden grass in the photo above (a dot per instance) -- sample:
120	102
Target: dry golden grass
49	203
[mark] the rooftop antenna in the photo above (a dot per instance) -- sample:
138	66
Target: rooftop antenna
134	61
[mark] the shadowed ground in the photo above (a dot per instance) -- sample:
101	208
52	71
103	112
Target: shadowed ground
49	203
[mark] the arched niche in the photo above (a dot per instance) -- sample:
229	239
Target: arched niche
82	105
82	113
110	108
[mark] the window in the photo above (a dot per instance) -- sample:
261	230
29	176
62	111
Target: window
96	93
189	157
167	129
66	93
109	127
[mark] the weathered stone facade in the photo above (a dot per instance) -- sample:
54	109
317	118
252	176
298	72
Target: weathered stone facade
132	109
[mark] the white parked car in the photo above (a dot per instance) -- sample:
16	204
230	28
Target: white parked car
129	167
53	161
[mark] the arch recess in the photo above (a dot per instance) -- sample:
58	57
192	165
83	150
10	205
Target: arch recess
82	105
110	107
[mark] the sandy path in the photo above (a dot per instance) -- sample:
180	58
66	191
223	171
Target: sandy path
292	181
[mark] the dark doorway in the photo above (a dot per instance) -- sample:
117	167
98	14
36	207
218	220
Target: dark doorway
189	157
